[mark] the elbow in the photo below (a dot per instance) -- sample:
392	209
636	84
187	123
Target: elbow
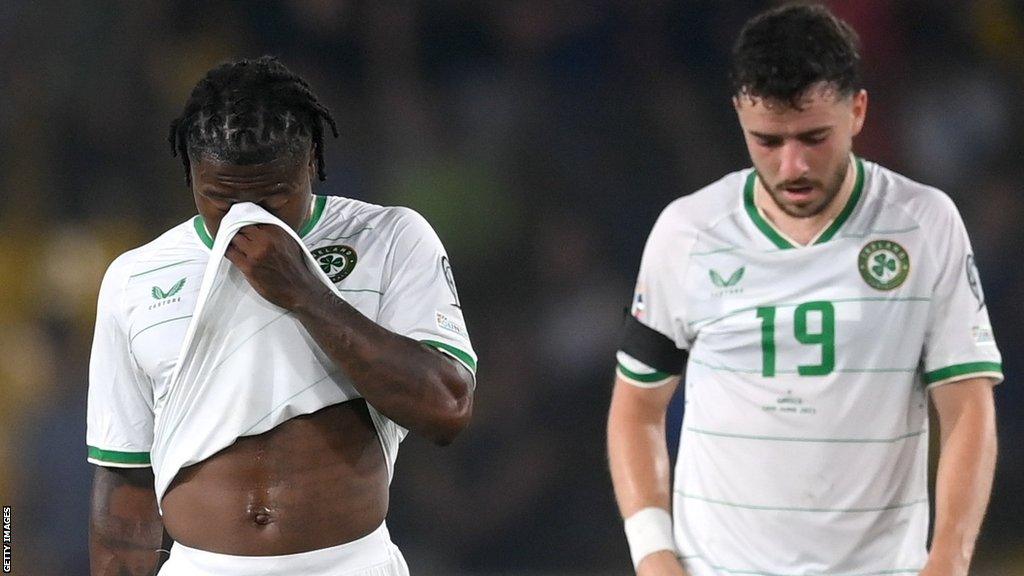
454	418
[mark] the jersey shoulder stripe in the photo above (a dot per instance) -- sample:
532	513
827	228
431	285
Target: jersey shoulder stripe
347	219
169	249
705	208
177	247
918	204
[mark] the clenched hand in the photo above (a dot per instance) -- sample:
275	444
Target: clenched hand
274	265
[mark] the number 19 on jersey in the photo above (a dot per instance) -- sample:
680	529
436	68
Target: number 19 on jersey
824	337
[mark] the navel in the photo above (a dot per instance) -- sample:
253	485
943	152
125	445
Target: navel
262	515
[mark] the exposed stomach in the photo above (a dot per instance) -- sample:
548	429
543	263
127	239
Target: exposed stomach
313	482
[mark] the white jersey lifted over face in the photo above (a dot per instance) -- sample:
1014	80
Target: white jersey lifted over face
386	262
804	442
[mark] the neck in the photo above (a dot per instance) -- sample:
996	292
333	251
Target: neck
804	230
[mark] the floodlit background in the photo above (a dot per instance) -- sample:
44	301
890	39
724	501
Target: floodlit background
541	139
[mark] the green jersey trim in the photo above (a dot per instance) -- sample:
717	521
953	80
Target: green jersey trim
758	370
963	370
755	216
460	355
801	509
749	572
136	335
851	204
645	378
318	210
713	319
772	234
347	236
162	267
319	202
115	457
201	231
892	440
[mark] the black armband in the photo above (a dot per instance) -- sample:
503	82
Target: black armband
651	347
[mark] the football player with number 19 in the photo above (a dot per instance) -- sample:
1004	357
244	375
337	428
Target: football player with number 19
822	301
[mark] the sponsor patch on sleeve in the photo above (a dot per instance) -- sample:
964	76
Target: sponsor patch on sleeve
445	322
983	335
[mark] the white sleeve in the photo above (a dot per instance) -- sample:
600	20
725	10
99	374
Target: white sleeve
654	338
959	343
420	300
119	429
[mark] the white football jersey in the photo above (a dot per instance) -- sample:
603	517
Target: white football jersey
387	262
804	442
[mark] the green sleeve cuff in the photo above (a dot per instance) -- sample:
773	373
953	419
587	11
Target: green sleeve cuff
966	369
645	378
460	355
114	457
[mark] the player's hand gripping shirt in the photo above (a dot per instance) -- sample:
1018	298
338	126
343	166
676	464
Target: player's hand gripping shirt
386	262
804	445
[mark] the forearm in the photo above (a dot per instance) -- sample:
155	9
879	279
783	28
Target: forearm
125	530
638	456
415	386
637	450
121	549
963	484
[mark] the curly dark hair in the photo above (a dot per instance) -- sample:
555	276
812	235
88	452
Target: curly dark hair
250	112
782	52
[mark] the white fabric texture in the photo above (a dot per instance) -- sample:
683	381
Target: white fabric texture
371	555
244	367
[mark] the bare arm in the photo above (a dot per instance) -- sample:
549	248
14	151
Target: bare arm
125	530
966	465
417	387
638	456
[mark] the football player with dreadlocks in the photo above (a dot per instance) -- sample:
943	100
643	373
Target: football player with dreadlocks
237	453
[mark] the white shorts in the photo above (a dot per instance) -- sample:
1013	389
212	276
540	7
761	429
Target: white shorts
371	555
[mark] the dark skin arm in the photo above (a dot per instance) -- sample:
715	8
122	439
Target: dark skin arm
417	387
125	530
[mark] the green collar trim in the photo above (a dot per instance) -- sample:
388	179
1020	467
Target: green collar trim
779	240
319	202
318	210
762	224
203	233
851	204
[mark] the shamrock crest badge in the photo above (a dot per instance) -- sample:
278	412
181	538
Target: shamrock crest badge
883	264
336	261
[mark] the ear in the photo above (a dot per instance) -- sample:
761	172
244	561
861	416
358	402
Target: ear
859	110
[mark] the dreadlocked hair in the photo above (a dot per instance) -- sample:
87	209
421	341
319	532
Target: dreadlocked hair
250	112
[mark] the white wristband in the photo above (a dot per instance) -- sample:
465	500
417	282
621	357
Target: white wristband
649	531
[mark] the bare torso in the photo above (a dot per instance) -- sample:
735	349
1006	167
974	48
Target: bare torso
313	482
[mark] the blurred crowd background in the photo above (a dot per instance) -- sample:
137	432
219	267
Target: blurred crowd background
541	139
